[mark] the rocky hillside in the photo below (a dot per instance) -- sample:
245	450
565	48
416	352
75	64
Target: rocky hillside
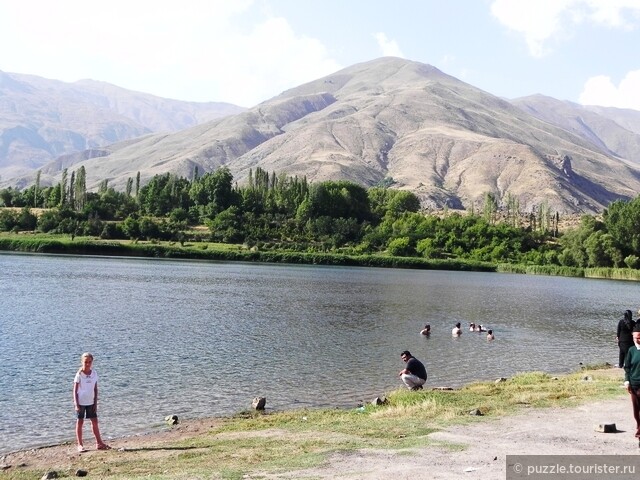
402	123
42	119
615	131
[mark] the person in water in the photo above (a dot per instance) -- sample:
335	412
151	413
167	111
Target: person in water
624	336
456	331
490	335
426	330
414	375
472	327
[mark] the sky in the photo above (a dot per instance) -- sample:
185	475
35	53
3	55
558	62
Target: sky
247	51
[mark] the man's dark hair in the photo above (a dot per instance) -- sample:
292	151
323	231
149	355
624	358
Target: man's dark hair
637	327
406	352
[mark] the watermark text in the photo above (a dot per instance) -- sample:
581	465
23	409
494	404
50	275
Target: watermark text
583	467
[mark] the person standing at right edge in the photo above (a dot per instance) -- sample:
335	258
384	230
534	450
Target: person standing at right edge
623	336
632	377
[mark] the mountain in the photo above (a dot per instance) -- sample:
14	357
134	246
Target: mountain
403	123
615	131
42	119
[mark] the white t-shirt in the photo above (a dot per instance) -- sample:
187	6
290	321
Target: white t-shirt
86	387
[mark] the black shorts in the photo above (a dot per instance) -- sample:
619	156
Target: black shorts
87	411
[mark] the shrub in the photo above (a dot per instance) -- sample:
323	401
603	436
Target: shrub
632	261
401	247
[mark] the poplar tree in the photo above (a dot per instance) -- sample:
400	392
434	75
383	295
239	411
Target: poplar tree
36	189
490	207
81	188
543	216
63	188
72	190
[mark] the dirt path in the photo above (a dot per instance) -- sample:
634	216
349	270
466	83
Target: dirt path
556	431
567	431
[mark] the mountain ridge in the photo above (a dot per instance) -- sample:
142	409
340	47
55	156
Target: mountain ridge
408	124
42	119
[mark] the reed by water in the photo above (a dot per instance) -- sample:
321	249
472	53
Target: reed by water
43	243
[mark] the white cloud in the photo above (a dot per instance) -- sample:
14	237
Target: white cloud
388	47
615	13
202	50
261	63
545	20
536	21
600	90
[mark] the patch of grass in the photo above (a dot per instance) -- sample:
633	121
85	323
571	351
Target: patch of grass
613	273
600	272
596	366
252	442
541	270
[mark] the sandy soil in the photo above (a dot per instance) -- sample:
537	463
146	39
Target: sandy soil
558	431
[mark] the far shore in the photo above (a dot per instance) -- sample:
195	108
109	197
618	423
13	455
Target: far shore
63	244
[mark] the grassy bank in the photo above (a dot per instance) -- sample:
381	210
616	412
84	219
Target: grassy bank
250	443
63	244
42	243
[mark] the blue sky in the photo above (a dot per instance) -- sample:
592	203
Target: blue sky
246	51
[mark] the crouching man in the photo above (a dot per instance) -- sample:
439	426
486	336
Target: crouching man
414	374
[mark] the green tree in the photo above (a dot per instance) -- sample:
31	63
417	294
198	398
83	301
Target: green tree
131	227
80	189
49	220
427	248
401	201
339	199
63	188
573	250
27	220
622	221
36	189
632	261
8	220
490	207
401	247
129	187
213	192
72	190
227	226
54	197
148	228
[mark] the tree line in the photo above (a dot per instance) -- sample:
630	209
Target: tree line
281	212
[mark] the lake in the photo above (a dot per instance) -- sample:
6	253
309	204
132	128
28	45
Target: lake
200	339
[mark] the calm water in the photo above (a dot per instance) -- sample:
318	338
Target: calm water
202	339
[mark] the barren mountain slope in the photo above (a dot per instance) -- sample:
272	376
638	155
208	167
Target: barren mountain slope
395	120
614	131
446	140
41	119
206	146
